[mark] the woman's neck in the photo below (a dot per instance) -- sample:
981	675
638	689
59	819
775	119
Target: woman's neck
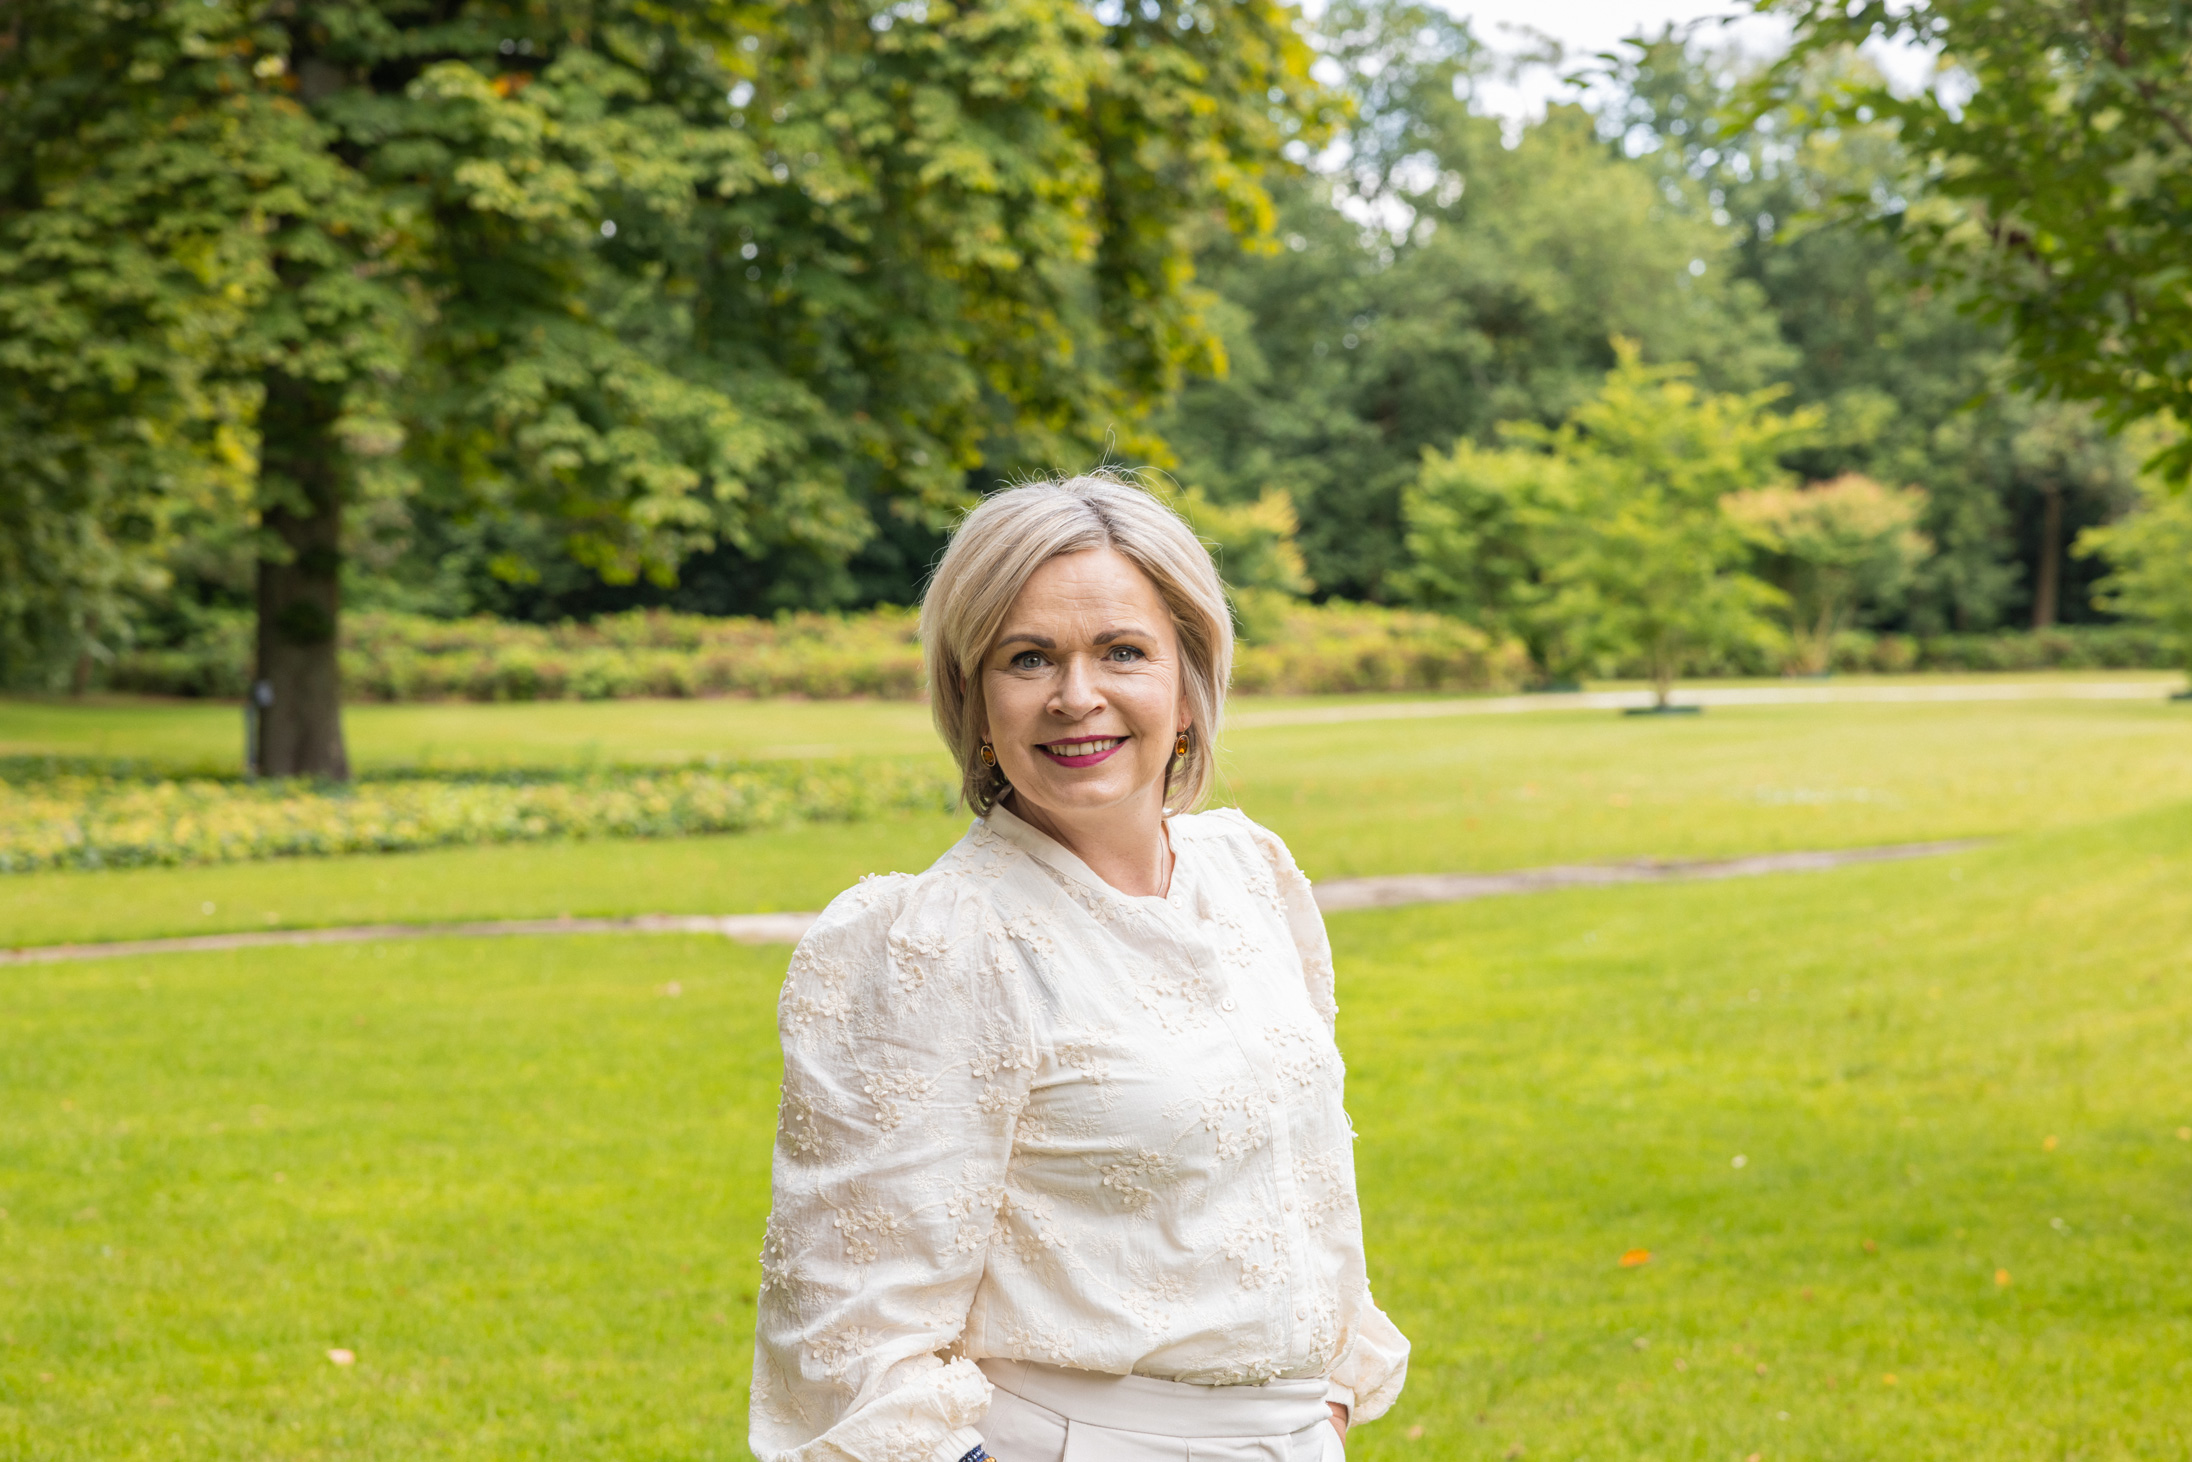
1126	846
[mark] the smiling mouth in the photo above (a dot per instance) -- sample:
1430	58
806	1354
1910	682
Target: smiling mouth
1083	753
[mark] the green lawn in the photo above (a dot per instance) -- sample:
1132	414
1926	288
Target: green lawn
1466	793
461	734
1937	1075
524	1182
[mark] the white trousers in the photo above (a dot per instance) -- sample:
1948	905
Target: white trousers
1052	1414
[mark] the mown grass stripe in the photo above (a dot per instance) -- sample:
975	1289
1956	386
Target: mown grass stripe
1336	896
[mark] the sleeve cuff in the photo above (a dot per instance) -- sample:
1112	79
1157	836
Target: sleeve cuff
964	1442
1344	1395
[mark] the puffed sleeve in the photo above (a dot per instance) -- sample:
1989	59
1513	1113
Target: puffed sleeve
1372	1364
1299	904
907	1056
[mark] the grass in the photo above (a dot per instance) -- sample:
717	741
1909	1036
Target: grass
1503	792
760	872
1466	793
1939	1076
460	734
522	1185
524	1182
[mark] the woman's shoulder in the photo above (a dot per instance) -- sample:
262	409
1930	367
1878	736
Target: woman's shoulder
958	887
1236	831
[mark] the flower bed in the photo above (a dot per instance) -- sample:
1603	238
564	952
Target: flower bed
82	816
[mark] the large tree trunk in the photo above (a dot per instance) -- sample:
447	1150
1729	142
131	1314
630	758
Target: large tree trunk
2047	584
299	679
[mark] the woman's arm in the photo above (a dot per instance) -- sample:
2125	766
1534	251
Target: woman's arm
906	1061
1373	1360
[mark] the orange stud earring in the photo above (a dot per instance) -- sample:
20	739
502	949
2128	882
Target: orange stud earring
1179	747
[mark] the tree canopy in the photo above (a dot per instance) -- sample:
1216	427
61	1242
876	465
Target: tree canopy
649	278
557	310
2051	174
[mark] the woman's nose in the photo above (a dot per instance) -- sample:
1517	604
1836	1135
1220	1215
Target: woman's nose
1076	696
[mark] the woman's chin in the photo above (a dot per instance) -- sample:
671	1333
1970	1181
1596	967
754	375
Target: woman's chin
1066	793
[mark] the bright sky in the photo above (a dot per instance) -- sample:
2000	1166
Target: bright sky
1588	26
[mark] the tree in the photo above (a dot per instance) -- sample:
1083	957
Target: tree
1483	526
2056	156
656	277
1916	386
1467	283
2149	554
1830	547
1613	542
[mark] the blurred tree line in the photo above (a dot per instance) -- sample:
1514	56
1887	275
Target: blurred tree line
549	311
1497	271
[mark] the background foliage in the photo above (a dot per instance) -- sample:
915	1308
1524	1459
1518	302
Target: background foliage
726	309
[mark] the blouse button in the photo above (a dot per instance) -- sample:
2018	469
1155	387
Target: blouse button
1300	1313
1226	1004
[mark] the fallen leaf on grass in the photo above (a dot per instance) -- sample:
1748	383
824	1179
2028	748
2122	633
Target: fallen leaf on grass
1415	1433
343	1357
2001	1277
1887	1380
1635	1257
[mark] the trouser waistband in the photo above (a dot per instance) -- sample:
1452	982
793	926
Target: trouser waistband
1168	1408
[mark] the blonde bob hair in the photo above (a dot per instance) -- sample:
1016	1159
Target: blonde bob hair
997	549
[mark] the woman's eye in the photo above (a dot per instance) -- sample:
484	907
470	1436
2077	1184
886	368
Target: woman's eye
1124	653
1027	660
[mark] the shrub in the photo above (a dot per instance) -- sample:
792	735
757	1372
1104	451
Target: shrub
2066	647
1287	647
1291	648
394	657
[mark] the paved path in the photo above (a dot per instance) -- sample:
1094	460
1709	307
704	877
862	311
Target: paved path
2152	689
1334	896
1341	894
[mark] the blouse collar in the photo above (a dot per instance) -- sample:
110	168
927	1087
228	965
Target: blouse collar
1046	849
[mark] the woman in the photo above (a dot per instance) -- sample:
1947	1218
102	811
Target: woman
1061	1168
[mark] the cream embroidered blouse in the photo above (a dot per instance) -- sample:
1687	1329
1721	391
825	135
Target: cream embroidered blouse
1028	1116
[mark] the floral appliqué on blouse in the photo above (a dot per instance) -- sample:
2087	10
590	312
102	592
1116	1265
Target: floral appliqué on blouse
1027	1116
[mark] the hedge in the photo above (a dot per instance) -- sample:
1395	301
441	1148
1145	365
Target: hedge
1287	647
398	657
2067	647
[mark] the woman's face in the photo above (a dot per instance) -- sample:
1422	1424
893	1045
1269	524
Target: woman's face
1083	689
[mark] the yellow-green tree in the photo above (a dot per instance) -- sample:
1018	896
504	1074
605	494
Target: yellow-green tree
2149	553
1831	546
1605	539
